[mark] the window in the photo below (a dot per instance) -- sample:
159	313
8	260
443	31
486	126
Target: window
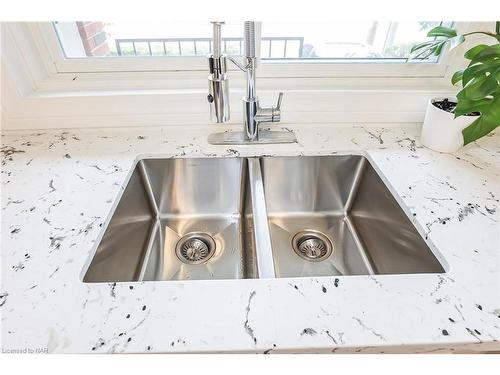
300	54
340	41
156	73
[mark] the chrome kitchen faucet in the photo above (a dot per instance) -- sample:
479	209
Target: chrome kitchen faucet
218	97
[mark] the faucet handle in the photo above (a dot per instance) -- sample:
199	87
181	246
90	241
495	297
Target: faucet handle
276	111
280	99
269	114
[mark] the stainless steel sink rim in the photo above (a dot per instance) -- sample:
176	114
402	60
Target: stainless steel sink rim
312	245
195	248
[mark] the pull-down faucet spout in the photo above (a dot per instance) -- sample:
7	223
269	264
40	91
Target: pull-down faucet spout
253	113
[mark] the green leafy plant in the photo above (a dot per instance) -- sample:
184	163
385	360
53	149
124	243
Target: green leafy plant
480	81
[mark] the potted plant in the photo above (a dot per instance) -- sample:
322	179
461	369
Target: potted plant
451	123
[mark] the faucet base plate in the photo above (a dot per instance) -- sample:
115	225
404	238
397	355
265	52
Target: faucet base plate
240	138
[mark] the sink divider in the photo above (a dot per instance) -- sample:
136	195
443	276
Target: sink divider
263	246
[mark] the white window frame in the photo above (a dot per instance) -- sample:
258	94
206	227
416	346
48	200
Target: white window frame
45	36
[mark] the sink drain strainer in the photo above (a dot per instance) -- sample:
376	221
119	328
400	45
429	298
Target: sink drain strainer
312	245
195	248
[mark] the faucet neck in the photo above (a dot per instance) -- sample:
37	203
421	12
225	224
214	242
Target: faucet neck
251	70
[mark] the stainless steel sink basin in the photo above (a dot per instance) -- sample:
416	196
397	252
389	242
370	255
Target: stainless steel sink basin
232	218
179	219
333	215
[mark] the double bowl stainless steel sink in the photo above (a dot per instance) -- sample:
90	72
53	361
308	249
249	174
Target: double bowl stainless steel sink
233	218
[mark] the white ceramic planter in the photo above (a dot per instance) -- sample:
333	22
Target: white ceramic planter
441	131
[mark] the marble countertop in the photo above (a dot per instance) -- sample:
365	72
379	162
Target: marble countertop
58	189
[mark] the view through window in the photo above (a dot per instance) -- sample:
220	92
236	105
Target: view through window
368	41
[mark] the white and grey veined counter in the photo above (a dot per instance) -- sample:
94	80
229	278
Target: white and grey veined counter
58	188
